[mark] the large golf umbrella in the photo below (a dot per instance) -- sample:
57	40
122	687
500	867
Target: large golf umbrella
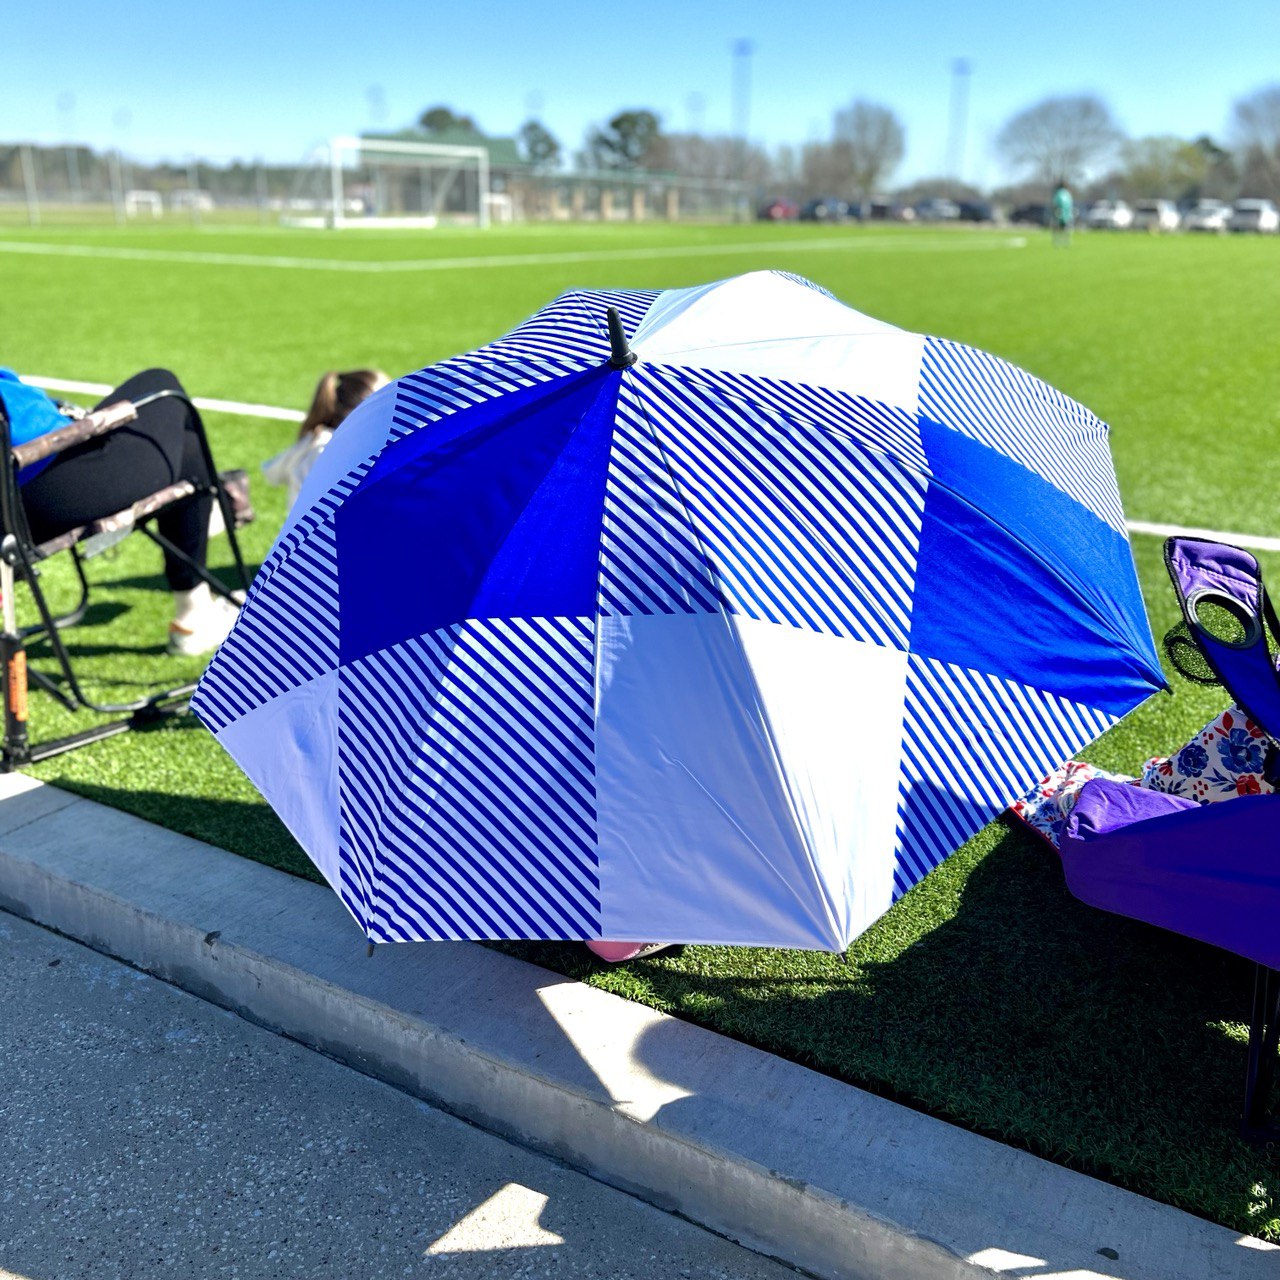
722	618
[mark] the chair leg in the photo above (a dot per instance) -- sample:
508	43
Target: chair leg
1264	1039
216	585
75	616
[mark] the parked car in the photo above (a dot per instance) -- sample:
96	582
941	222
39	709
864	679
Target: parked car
937	209
882	209
1207	215
778	210
1109	215
1155	215
976	211
1255	215
1035	214
825	209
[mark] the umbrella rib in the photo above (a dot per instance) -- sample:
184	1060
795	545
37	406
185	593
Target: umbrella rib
761	715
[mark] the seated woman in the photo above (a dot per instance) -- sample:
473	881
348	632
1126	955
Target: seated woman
110	472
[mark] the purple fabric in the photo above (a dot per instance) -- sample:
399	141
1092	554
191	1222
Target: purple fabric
1197	566
1210	872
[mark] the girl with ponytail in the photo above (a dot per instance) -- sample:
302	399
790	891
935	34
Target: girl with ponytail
336	395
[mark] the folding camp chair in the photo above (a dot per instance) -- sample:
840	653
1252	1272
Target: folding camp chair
21	556
1210	872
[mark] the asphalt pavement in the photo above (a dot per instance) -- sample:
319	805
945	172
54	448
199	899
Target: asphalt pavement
144	1131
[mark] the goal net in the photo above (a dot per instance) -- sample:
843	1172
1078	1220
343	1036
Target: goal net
387	182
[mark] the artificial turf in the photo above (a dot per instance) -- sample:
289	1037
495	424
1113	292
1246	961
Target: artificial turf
988	995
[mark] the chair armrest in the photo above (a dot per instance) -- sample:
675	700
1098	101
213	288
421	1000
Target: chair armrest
97	423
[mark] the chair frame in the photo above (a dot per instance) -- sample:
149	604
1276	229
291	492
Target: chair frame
1257	1125
20	557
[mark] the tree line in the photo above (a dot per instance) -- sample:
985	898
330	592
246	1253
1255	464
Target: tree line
1073	138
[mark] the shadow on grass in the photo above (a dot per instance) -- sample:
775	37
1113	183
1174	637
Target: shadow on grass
42	650
996	1001
1094	1041
155	581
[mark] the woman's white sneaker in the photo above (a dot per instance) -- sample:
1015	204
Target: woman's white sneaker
203	629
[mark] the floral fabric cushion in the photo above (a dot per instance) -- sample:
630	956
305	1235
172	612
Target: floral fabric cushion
1229	757
1046	808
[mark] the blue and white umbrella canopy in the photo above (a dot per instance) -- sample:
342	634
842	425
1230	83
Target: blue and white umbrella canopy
732	644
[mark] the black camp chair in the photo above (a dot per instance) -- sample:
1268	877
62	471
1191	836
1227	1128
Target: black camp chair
21	557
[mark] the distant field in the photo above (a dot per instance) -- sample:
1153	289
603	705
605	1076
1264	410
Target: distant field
987	995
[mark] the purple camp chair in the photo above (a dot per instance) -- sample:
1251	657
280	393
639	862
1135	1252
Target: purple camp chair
1209	872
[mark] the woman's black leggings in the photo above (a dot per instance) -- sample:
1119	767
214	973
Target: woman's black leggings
109	473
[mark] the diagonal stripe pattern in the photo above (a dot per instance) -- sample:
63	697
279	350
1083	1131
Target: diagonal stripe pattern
491	772
572	328
467	783
970	741
1025	419
650	557
879	428
745	474
287	632
447	388
808	284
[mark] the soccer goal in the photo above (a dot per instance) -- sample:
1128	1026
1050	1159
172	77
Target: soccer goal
389	182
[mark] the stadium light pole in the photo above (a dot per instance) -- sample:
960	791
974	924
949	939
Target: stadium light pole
696	105
959	119
193	185
67	110
29	182
742	51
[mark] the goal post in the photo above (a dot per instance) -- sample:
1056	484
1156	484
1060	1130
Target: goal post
393	182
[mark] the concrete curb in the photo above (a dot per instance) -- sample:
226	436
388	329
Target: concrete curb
807	1169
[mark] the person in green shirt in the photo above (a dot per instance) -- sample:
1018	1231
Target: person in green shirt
1064	212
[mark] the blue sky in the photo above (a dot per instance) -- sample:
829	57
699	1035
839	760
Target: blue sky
269	79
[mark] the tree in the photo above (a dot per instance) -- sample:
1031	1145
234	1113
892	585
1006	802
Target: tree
444	119
716	158
625	142
1162	166
869	143
1255	129
1059	138
824	171
1220	180
540	147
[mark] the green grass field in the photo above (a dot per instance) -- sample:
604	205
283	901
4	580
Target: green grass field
988	996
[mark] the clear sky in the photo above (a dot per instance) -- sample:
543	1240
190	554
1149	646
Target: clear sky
230	78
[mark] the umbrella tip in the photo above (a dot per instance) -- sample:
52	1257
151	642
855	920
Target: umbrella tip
621	356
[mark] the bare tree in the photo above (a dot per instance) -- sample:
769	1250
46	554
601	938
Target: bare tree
824	171
1059	138
1255	130
869	143
713	157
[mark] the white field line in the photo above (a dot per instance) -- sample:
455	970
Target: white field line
881	244
1254	541
201	402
